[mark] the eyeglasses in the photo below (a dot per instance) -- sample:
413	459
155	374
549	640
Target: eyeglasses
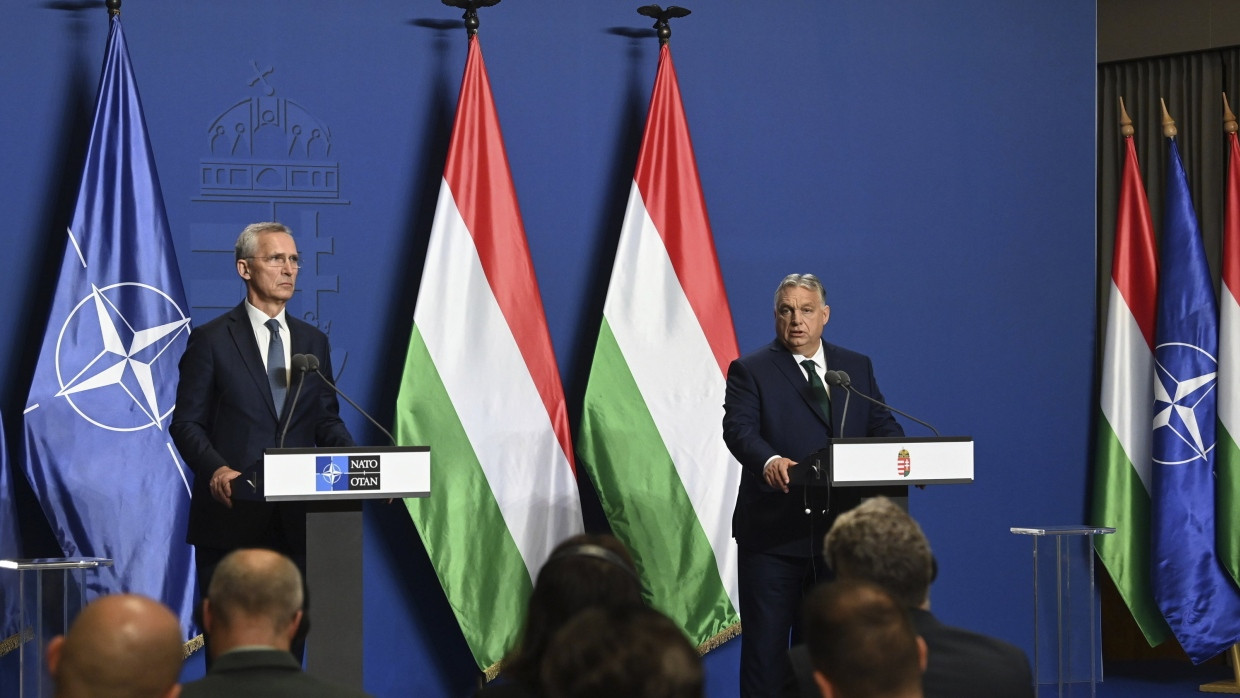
279	260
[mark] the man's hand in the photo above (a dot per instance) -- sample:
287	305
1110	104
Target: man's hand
776	473
221	485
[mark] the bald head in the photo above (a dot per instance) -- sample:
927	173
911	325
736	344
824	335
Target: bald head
255	598
119	646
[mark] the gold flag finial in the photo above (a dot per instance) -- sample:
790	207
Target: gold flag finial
1168	123
1229	118
1125	122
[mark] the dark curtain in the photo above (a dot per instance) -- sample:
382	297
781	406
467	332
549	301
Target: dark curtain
1192	85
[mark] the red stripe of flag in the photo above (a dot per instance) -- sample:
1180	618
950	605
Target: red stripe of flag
1134	269
477	172
667	178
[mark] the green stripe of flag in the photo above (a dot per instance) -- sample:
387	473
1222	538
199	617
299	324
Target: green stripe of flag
644	498
1120	501
460	523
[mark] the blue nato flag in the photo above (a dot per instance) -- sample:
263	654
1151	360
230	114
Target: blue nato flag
1196	595
97	451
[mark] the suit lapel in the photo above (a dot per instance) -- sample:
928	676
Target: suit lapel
788	366
247	348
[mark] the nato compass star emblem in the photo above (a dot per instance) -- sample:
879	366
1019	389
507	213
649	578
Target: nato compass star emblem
1183	426
331	473
117	353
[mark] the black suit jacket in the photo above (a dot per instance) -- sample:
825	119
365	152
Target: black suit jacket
768	410
964	664
225	416
262	672
961	664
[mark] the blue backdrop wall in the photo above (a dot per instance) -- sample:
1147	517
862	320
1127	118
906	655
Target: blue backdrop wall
933	162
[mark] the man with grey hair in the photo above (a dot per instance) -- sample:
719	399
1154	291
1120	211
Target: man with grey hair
119	646
233	403
778	410
252	610
879	542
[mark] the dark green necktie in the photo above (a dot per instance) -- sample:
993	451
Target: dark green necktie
817	389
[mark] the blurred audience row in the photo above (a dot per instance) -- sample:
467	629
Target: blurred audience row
588	631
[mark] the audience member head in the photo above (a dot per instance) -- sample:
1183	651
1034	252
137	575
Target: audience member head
255	598
862	643
619	653
879	542
122	645
583	571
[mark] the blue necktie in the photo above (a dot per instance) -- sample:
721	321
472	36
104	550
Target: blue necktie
817	389
277	377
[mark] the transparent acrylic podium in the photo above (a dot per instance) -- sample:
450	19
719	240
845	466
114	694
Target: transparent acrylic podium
1067	660
51	592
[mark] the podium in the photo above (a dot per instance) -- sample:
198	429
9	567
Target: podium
333	482
51	592
888	460
1067	652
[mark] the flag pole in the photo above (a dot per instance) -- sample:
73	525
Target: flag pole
1233	655
661	17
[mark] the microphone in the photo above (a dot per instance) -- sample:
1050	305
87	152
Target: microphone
300	366
846	382
312	364
837	378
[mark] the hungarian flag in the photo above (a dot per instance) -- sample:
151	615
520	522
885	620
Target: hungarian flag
650	435
482	389
97	451
1122	468
1198	598
1227	463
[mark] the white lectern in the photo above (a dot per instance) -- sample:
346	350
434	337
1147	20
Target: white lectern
333	482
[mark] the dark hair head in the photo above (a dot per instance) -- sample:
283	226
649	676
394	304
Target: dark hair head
879	542
861	639
583	571
614	652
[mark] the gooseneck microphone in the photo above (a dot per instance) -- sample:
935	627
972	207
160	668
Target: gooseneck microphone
841	379
300	366
312	364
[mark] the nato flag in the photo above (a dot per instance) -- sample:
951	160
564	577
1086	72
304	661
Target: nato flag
97	451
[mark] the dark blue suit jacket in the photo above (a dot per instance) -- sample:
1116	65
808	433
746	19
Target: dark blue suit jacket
768	411
225	416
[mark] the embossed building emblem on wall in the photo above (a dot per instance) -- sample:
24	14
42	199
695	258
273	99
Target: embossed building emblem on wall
269	148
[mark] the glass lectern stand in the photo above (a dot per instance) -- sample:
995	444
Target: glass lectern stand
51	592
1067	659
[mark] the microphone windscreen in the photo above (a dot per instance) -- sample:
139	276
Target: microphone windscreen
844	379
299	363
312	362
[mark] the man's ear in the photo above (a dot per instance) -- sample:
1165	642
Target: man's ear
243	269
824	685
53	654
294	625
923	654
208	618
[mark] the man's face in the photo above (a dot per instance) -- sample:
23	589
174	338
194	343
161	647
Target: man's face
799	319
270	282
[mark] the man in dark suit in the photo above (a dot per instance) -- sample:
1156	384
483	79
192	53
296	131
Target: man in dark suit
777	410
253	609
879	542
233	400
